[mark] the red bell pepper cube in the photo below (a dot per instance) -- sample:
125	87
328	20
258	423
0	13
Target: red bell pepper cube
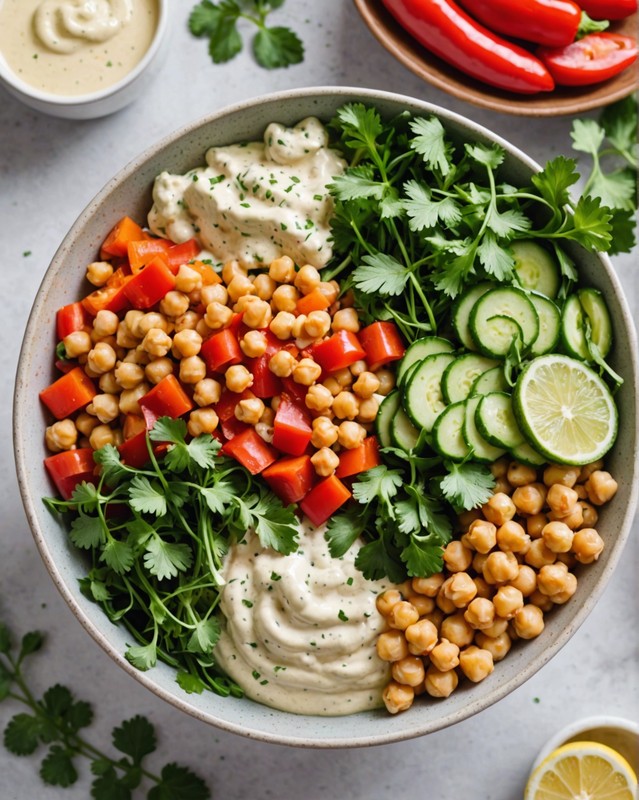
359	459
69	393
265	383
341	350
290	479
166	399
111	297
324	499
292	429
118	238
295	390
134	451
232	427
225	406
179	254
250	450
382	343
149	286
221	350
142	251
69	468
206	272
313	301
71	318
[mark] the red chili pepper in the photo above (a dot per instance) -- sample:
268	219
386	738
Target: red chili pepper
118	238
366	456
593	59
221	350
445	29
69	468
150	284
290	478
69	393
71	318
250	450
549	22
608	9
141	251
324	499
382	343
166	399
341	350
292	427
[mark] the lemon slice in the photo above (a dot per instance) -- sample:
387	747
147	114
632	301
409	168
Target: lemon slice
582	771
565	410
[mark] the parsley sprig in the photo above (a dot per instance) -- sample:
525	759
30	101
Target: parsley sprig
273	46
156	537
56	721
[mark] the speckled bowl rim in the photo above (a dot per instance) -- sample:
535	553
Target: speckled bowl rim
402	727
11	79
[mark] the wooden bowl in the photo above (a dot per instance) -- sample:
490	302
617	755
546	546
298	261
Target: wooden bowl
563	100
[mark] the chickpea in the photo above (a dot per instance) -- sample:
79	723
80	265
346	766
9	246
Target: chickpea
124	337
561	499
62	435
85	423
559	473
402	615
398	697
306	372
460	589
478	563
249	410
589	515
385	601
100	436
77	344
105	323
444	656
282	363
330	290
551	578
535	525
174	304
529	499
483	589
587	470
231	269
573	519
264	286
528	622
190	320
386	380
187	343
499	509
541	601
498	627
345	405
239	286
366	384
499	468
507	601
500	567
187	279
476	663
99	272
391	645
539	554
601	487
105	407
158	369
101	358
466	519
108	384
457	630
317	324
346	319
307	279
257	313
368	409
502	487
512	537
157	343
526	580
192	369
428	586
480	613
440	684
282	270
282	325
130	399
128	375
324	433
481	536
557	537
587	545
202	420
132	319
265	431
214	293
217	316
285	299
332	385
238	378
318	398
444	602
570	587
325	461
253	344
582	492
423	604
409	671
520	474
350	434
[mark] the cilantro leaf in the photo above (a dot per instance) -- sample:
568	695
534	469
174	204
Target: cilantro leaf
467	485
179	783
165	559
275	525
113	470
57	700
494	259
555	179
381	274
135	737
86	531
424	212
430	143
58	769
22	734
205	636
108	786
218	496
143	657
591	223
343	529
31	642
357	183
118	555
146	496
190	683
277	47
423	555
375	563
379	482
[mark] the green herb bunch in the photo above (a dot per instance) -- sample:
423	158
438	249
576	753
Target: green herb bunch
157	536
57	720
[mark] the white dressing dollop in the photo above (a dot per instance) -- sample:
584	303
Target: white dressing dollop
65	26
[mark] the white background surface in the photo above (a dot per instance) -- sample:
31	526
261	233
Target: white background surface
49	170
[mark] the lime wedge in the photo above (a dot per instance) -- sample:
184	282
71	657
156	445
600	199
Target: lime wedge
565	410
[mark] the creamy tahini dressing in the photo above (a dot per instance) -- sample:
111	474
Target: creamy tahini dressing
74	47
257	201
300	629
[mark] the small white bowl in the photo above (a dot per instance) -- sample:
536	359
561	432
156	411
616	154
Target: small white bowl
620	734
94	104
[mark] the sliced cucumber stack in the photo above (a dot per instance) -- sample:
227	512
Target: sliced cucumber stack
586	309
385	415
482	450
423	398
496	421
448	432
461	313
460	375
418	351
489	321
535	268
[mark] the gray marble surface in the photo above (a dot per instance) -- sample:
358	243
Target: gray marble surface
49	170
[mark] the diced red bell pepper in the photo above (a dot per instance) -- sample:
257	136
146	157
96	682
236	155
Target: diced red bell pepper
290	479
207	273
69	393
341	350
324	499
221	350
250	450
359	459
225	407
292	429
382	343
313	301
265	383
179	254
141	251
69	468
71	318
232	427
166	399
117	240
111	297
149	285
134	451
295	390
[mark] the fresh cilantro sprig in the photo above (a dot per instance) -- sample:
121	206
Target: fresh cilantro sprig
273	46
156	538
57	720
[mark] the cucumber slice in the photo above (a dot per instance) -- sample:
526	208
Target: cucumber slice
404	434
572	335
490	334
385	415
423	399
549	324
461	313
496	421
525	454
448	432
587	306
493	380
418	351
482	450
536	269
596	310
460	375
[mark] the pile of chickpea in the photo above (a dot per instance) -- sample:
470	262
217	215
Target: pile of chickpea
128	353
512	564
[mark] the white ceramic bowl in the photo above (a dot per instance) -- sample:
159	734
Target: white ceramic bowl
130	192
95	104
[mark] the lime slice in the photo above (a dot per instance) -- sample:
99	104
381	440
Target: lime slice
565	410
581	770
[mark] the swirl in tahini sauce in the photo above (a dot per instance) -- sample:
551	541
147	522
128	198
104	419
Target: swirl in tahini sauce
65	26
300	630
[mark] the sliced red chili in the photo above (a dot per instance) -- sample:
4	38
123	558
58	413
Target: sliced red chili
292	429
250	450
324	499
290	478
69	393
595	58
69	468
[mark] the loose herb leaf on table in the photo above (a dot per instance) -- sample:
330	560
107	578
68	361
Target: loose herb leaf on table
56	720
